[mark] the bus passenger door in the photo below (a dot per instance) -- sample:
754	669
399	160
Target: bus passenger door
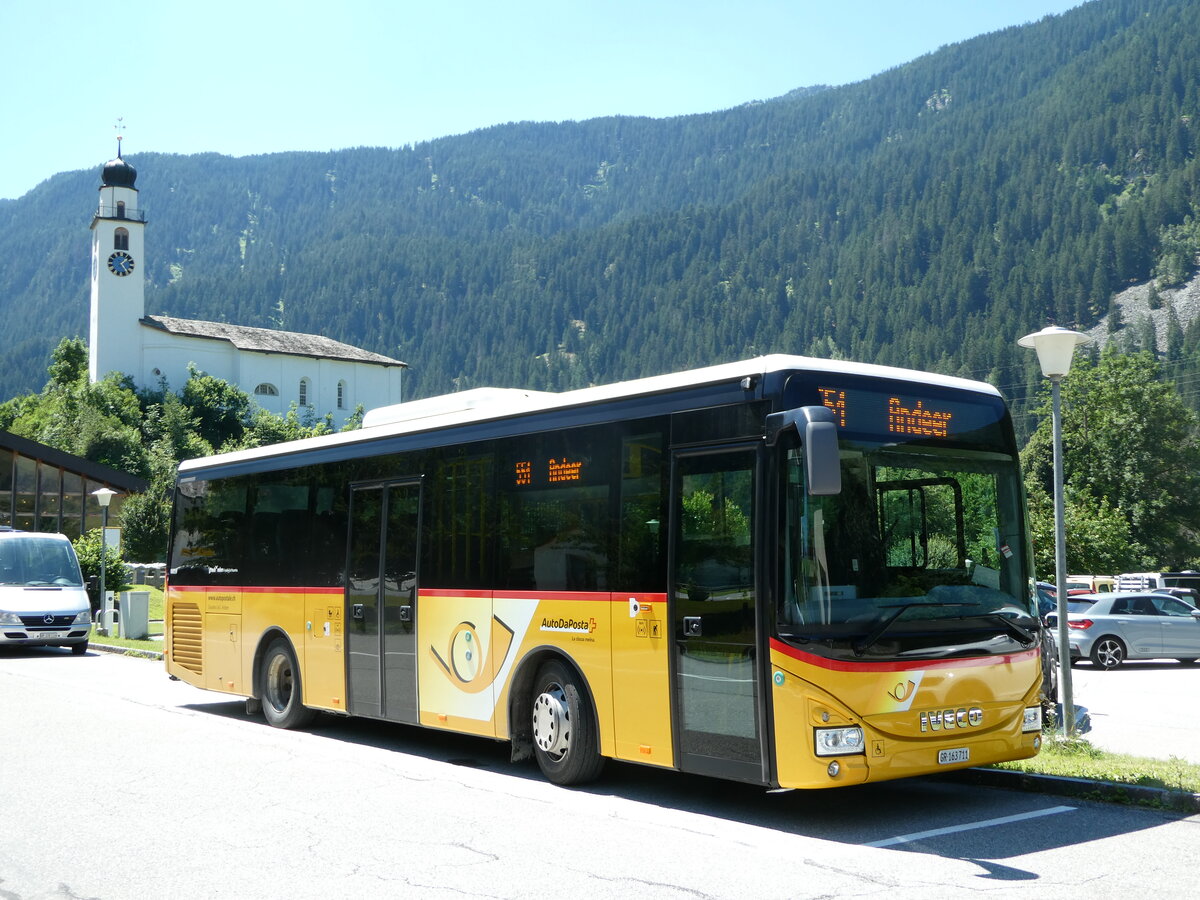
381	594
713	617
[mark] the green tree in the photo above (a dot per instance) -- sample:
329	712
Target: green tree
221	410
148	433
69	362
1153	297
267	428
1098	536
99	422
1130	446
88	547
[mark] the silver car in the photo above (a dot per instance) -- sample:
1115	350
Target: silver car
42	598
1128	625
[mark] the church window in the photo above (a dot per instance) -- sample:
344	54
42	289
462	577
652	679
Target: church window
266	389
121	239
304	389
121	215
341	395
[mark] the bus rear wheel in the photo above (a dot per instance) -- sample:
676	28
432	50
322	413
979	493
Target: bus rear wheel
281	694
564	728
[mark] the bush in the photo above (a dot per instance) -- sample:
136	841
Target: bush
116	576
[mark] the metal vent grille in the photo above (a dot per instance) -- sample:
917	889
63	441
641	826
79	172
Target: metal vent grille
187	645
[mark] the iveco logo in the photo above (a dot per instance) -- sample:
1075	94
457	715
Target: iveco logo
946	719
48	619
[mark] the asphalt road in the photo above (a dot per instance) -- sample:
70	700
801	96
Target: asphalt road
120	783
1142	708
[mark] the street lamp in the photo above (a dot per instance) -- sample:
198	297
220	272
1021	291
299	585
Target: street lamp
1055	348
104	497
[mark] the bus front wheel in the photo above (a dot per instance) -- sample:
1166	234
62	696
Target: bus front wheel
564	729
281	694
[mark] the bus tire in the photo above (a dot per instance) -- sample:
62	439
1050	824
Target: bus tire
564	729
281	693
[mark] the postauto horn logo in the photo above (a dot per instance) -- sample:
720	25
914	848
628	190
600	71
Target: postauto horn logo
466	663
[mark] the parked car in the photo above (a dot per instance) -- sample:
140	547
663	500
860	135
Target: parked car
1120	626
1149	581
1047	597
1090	584
1080	603
1188	594
42	598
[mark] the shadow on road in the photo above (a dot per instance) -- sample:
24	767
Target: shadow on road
944	817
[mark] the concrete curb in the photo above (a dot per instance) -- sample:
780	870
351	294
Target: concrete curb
1081	788
126	651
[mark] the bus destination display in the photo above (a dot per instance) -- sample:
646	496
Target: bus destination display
887	414
551	471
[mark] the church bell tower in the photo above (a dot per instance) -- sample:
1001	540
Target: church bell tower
118	274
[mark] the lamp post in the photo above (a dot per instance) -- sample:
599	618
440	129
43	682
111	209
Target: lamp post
104	497
1055	348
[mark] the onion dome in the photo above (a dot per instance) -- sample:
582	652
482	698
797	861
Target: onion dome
118	173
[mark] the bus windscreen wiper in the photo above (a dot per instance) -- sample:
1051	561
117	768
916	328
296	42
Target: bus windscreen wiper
1021	634
869	641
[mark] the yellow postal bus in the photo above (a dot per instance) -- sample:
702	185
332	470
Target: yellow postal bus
785	571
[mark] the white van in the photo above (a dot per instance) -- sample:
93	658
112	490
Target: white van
1151	581
42	598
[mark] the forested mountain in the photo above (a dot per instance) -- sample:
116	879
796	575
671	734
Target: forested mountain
925	217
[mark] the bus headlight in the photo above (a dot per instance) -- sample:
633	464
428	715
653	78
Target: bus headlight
9	618
84	618
838	741
1033	719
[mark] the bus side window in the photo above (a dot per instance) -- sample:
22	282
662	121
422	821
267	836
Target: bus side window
642	524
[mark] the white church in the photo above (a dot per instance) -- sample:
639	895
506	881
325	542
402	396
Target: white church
276	368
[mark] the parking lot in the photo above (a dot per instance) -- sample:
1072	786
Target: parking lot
1144	708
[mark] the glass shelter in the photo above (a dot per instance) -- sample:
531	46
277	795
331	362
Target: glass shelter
43	489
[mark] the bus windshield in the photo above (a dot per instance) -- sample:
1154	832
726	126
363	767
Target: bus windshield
921	553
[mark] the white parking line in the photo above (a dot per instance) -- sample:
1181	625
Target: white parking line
936	832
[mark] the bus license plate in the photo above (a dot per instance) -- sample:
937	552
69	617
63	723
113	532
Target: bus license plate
957	755
52	635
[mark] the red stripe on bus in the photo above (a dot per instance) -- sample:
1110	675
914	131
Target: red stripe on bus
569	596
838	665
234	588
577	596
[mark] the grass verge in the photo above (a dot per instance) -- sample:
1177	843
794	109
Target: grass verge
1077	758
156	625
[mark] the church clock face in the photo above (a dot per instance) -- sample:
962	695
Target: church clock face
120	263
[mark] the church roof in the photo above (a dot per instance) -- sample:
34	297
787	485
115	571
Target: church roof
118	173
266	340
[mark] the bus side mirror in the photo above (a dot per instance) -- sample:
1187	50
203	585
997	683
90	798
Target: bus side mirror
817	428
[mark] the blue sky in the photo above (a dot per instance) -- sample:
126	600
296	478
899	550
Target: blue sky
264	76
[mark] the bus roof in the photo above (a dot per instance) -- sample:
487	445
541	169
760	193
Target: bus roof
488	404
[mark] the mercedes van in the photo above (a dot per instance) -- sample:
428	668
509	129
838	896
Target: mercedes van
43	602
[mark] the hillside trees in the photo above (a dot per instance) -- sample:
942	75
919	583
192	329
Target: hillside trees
1017	178
1131	468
